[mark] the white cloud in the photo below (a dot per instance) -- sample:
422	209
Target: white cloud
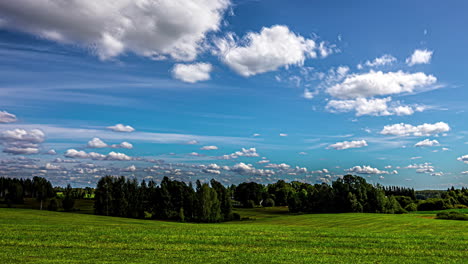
349	144
463	159
308	94
192	73
192	142
209	148
380	61
422	168
366	170
248	169
282	166
124	145
256	135
272	48
49	166
373	107
121	128
427	143
251	152
378	83
131	168
464	172
6	117
51	152
96	143
421	130
73	153
20	141
155	29
419	57
283	135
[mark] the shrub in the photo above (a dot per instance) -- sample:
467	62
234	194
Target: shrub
433	204
411	207
452	216
269	202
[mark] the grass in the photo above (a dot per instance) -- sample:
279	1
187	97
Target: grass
32	236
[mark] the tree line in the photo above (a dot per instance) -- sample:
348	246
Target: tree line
170	200
213	202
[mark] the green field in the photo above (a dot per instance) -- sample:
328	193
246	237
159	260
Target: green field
32	236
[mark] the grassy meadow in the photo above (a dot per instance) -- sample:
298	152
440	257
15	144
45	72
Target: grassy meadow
32	236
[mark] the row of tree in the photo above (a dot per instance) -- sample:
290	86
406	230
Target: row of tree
170	200
13	190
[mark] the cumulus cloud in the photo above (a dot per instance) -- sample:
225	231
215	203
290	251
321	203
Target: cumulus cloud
6	117
51	152
282	166
21	141
463	158
283	135
73	153
121	128
268	50
248	169
155	29
49	166
422	168
366	170
419	57
131	168
98	143
427	143
192	73
380	61
376	83
420	130
192	142
251	152
349	144
372	107
209	148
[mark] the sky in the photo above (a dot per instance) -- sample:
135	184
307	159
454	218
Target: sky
237	91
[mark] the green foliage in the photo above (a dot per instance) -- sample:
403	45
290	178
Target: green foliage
411	207
433	204
268	202
452	215
68	202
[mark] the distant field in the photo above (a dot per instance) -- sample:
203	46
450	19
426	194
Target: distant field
32	236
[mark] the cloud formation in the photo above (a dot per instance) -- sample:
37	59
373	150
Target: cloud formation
21	142
73	153
121	128
418	131
380	61
6	117
349	144
98	143
419	57
463	158
427	143
376	83
372	107
155	29
192	73
270	49
366	170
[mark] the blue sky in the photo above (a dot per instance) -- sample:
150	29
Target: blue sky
235	90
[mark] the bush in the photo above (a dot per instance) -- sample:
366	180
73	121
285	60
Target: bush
433	204
269	203
452	216
411	207
53	205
